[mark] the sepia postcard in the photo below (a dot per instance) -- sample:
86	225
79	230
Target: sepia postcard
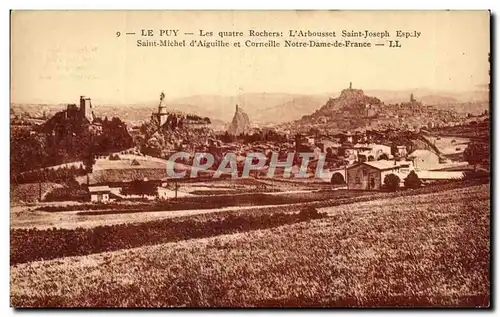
250	159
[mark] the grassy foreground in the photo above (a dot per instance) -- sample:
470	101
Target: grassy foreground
425	250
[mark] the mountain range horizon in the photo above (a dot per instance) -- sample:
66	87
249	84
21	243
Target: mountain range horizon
478	88
265	107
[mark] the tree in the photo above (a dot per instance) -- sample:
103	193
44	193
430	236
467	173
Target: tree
412	180
337	179
139	187
391	182
176	188
394	149
89	161
475	153
383	156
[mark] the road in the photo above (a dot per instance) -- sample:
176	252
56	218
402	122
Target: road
70	220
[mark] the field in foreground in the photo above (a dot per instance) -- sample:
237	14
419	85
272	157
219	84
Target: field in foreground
423	250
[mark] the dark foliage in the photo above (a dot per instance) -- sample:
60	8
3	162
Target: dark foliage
140	187
391	182
32	244
412	180
60	175
383	156
476	153
206	202
67	194
255	136
65	137
337	179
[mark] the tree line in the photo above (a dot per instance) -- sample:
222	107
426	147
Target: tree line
65	137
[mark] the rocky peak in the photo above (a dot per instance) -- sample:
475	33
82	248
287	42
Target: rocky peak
352	95
240	123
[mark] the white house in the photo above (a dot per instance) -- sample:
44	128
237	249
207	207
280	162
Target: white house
402	150
310	140
99	194
371	175
424	159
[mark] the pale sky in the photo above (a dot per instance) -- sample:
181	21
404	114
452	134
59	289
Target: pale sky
58	56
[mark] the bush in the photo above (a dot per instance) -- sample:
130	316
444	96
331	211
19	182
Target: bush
476	153
114	157
67	194
34	244
412	180
468	175
337	179
391	182
309	212
383	156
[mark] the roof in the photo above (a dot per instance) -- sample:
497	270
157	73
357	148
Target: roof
126	175
367	153
330	143
437	175
419	153
384	164
361	145
98	189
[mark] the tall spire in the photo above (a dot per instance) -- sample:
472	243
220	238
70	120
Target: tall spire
161	107
350	85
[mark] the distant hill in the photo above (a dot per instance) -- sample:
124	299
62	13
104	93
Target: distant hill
260	107
351	110
437	99
355	109
264	108
291	110
430	96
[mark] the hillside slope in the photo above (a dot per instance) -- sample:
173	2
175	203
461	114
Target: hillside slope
424	250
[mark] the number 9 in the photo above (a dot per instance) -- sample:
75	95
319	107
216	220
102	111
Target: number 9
118	34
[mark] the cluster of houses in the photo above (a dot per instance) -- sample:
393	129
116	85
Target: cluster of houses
360	162
106	185
358	175
370	175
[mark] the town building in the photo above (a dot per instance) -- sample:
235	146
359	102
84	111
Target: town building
99	194
402	150
424	159
370	175
325	144
366	152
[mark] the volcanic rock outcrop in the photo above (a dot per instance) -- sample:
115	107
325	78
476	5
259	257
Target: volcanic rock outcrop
240	123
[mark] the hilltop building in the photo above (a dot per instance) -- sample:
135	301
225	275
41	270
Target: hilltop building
162	113
85	110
